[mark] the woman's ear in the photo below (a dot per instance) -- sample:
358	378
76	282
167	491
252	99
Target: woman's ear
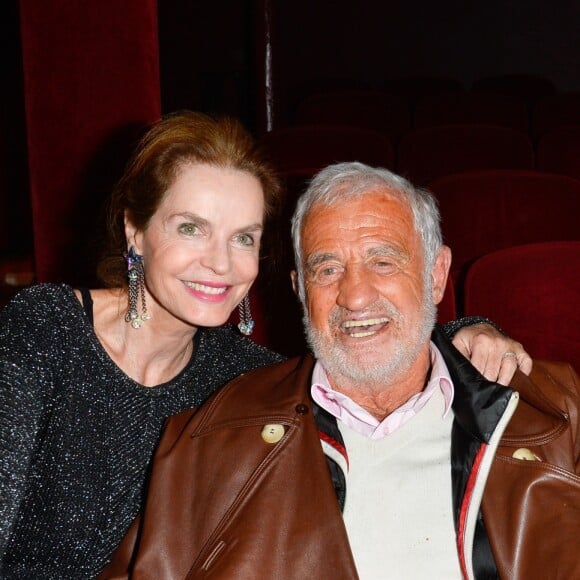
131	234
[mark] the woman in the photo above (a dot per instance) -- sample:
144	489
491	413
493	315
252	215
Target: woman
87	378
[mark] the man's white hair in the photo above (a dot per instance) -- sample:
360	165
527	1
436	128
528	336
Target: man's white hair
342	181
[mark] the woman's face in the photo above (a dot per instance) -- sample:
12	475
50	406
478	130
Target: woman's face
201	247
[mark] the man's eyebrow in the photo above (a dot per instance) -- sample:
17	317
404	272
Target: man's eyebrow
316	259
386	251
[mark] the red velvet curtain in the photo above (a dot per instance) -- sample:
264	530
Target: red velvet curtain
91	82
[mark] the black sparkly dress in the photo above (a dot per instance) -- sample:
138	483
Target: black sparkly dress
77	434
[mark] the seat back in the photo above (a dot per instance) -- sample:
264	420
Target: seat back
315	146
414	88
559	151
472	108
430	152
554	111
389	114
527	86
533	293
485	211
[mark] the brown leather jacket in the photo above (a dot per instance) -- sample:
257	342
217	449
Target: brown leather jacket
223	503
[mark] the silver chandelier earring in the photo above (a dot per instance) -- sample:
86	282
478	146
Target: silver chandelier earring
136	278
246	324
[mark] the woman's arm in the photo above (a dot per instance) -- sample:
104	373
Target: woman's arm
494	354
24	375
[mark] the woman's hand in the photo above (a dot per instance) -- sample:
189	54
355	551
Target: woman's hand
493	354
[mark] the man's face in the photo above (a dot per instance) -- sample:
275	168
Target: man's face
370	310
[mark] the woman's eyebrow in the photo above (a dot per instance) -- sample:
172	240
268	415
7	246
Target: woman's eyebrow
188	216
257	227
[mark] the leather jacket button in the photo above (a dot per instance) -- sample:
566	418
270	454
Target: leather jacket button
272	433
301	409
525	454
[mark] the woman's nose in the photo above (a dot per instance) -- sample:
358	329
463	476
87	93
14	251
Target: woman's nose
217	257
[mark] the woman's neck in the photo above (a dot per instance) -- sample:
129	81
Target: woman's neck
151	355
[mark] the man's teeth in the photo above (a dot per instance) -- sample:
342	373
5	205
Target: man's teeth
367	322
362	324
206	289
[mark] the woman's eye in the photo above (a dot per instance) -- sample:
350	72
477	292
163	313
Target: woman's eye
246	239
188	229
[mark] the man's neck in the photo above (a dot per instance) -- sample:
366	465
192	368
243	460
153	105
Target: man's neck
381	398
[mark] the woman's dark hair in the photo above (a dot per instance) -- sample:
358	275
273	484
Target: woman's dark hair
173	141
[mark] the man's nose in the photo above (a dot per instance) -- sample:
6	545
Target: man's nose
356	289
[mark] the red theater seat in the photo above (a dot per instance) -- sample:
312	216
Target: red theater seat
414	88
484	211
554	111
529	87
315	146
559	151
472	108
533	293
389	114
430	152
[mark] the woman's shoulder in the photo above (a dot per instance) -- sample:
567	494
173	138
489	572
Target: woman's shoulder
40	302
46	291
229	343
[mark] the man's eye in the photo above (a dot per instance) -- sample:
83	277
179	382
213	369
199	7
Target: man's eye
188	229
386	266
325	275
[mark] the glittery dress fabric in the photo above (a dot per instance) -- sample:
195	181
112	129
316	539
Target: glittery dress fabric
77	434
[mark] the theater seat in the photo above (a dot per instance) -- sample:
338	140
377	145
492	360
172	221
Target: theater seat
559	151
554	111
430	152
315	146
484	211
414	88
389	114
533	293
527	86
472	108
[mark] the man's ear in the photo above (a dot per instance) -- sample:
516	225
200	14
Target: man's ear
294	278
440	273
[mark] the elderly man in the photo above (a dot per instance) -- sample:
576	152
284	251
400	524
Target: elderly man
386	455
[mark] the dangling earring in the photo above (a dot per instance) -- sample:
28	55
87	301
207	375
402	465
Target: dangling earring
136	276
246	324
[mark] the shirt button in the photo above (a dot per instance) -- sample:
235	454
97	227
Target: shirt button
301	409
525	454
272	433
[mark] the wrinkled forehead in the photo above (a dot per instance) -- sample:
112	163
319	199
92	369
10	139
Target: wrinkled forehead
377	212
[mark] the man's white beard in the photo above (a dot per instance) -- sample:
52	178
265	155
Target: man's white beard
341	365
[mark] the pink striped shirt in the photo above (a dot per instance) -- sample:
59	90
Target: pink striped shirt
357	418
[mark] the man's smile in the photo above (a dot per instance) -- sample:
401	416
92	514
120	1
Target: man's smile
363	328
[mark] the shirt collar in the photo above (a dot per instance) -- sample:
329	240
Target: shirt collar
357	418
